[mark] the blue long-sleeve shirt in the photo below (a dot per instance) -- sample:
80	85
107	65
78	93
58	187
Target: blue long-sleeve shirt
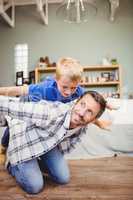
48	90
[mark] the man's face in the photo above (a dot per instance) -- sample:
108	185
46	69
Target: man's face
66	86
84	111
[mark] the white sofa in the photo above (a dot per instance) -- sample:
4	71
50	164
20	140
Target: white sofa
100	143
119	140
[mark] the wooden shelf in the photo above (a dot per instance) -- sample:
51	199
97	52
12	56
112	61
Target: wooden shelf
86	68
92	72
46	69
109	83
100	67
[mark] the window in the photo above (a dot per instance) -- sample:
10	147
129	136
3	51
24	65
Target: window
21	59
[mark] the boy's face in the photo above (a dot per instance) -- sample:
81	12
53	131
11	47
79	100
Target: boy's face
84	111
66	86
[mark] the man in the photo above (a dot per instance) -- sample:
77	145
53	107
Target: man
45	130
64	87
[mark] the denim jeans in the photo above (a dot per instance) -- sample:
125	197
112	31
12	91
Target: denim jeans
29	174
5	138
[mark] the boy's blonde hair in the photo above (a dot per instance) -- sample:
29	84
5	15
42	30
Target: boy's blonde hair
70	68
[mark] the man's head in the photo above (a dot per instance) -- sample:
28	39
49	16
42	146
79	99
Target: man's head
68	75
87	109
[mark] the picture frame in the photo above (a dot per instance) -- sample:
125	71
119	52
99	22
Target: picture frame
26	81
32	77
105	75
19	78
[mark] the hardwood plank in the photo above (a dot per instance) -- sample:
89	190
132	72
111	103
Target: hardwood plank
93	179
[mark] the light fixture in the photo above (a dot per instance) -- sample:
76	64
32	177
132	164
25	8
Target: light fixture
76	10
114	5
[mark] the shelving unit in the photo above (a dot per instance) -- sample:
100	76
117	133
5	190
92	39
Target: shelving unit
95	76
40	70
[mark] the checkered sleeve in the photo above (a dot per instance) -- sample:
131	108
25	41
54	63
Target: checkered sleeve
41	113
4	101
35	112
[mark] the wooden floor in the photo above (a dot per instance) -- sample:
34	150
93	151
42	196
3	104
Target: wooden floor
95	179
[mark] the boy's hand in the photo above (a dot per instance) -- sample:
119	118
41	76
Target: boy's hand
111	107
103	124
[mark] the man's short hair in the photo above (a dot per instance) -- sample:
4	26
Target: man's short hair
99	99
70	68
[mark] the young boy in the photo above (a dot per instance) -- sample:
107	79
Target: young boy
64	87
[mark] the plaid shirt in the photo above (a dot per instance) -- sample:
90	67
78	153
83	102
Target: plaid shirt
36	128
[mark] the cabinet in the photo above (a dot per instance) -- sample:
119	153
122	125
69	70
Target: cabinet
105	79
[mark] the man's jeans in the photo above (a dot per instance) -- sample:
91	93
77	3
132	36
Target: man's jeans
5	138
29	176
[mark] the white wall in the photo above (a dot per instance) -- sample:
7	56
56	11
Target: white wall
89	42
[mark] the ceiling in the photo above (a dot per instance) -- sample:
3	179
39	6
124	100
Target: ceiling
42	8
